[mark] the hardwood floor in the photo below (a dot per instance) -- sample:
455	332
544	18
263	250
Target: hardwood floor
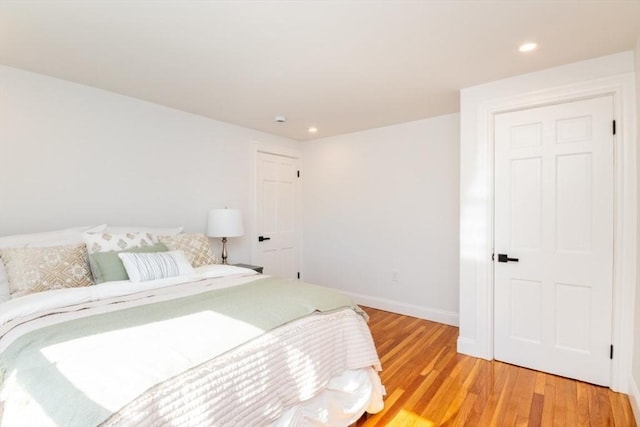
429	384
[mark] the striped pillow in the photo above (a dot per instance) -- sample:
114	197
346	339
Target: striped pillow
142	267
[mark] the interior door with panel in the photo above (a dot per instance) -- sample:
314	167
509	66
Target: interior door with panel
278	233
553	261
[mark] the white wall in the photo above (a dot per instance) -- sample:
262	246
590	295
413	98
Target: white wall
610	74
383	201
72	155
635	385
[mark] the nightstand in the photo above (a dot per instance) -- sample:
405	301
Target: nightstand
255	268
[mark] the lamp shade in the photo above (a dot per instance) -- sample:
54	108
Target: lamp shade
225	223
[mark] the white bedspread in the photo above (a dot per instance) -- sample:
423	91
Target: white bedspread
259	383
256	384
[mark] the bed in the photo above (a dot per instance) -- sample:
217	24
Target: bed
220	346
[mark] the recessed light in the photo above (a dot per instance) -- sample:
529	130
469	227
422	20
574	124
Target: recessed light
313	129
280	119
528	47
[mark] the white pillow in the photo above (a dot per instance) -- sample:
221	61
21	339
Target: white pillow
106	241
142	267
67	236
156	231
4	283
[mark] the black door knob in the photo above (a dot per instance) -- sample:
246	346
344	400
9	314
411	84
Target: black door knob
262	238
505	258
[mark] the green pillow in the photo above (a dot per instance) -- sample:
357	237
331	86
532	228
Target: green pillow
108	267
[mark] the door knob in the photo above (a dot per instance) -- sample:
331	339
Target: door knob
505	258
262	238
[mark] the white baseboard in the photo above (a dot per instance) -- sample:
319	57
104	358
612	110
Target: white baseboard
634	399
467	346
433	314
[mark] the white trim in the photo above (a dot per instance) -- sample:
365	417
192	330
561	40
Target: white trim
257	147
433	314
467	345
622	87
634	399
278	151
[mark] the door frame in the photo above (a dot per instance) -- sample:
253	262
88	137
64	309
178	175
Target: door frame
478	257
256	148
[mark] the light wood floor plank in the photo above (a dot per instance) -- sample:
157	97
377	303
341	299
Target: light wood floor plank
429	384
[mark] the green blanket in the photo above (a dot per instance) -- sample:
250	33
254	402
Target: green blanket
248	310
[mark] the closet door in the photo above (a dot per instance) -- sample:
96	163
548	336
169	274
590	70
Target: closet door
553	262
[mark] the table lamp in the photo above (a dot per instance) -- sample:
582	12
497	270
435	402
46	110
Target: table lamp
224	223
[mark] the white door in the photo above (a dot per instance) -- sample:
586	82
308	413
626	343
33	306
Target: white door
278	228
554	213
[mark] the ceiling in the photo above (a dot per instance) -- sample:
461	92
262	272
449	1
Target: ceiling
342	66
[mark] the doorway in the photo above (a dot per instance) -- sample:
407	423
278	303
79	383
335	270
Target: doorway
277	219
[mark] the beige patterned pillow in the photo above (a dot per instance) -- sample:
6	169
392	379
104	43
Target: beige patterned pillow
195	246
33	270
106	242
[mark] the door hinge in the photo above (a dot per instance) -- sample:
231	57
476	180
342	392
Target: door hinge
493	257
299	171
611	352
298	274
614	127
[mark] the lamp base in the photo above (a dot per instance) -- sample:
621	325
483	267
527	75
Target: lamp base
224	250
